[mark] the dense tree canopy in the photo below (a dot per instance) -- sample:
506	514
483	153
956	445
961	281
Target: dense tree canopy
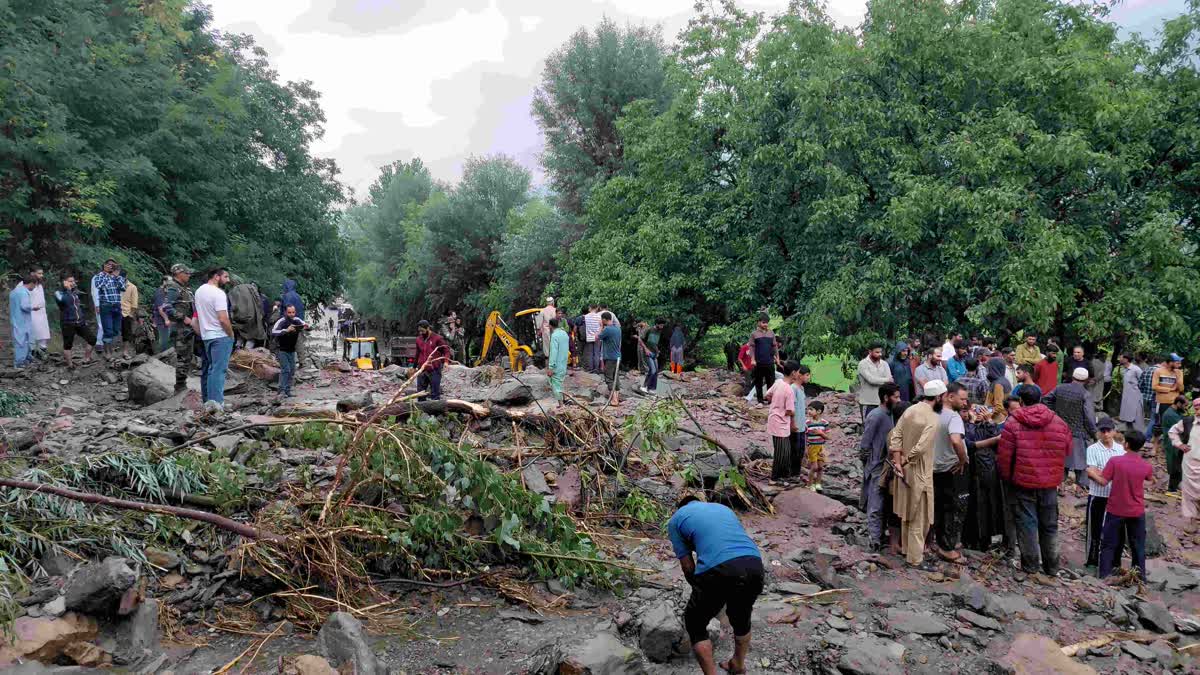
1004	165
133	129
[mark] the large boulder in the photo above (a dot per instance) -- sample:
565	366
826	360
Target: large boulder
151	382
97	588
342	641
662	635
510	392
601	655
873	656
569	489
806	507
46	640
1038	655
135	637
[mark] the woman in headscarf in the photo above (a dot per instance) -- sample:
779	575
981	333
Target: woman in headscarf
901	373
985	507
1000	388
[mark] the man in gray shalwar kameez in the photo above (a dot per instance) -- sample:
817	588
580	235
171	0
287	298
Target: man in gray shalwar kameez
1073	403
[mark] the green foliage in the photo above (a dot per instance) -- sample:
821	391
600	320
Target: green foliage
14	405
585	85
654	424
1002	165
642	508
137	129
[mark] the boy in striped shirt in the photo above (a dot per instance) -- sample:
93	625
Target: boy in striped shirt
1098	455
816	433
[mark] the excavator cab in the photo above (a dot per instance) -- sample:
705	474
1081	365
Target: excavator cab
518	354
363	352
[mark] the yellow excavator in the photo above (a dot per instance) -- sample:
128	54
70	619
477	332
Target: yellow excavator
518	354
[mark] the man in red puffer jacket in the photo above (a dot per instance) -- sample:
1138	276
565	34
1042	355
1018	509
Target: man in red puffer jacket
1034	446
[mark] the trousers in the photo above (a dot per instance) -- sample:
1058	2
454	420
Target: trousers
431	381
950	495
764	375
1036	518
287	369
782	460
1119	531
1094	527
874	500
213	365
651	383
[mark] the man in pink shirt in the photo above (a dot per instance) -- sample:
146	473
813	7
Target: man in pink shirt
1125	513
781	422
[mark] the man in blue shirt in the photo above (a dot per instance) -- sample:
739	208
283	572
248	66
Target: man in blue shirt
610	350
726	571
956	367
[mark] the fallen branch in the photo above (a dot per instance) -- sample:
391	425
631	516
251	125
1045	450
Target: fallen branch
405	410
247	531
1073	649
764	503
254	425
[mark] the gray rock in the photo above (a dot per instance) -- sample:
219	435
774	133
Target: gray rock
1137	651
510	392
341	641
794	588
151	382
56	607
97	588
1014	605
837	623
535	480
903	621
1154	541
135	637
1156	616
872	656
977	620
1095	621
662	635
1174	577
601	655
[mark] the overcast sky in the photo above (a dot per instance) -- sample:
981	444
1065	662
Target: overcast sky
446	79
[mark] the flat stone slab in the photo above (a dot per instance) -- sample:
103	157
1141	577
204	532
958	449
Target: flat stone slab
904	621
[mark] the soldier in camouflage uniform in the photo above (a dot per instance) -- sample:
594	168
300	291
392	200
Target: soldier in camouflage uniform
178	306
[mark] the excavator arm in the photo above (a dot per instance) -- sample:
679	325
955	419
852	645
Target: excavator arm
495	329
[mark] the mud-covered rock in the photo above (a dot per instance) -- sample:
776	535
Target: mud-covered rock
97	588
602	654
342	641
662	635
151	382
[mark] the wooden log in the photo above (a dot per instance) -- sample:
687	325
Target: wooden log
247	531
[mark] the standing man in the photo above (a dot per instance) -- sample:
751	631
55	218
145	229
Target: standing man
109	287
41	321
548	312
1027	352
20	316
930	371
727	571
1034	445
956	365
1131	396
951	487
764	356
286	332
556	365
678	340
432	354
872	450
160	318
290	296
1096	385
648	344
592	328
1045	372
911	446
1098	454
902	375
70	312
1125	514
1025	380
1167	384
1010	365
1146	385
1073	403
781	424
977	386
610	345
130	298
1187	442
178	307
1173	459
873	372
948	349
216	331
1075	360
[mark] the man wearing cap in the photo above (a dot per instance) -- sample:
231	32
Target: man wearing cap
178	308
548	312
727	571
1098	455
432	353
1167	384
1073	403
911	446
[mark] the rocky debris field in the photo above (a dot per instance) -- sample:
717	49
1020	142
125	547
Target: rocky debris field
88	586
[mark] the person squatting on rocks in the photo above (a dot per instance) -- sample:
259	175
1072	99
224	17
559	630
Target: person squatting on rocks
432	354
74	322
216	332
872	452
286	333
1034	446
725	572
873	372
911	446
556	366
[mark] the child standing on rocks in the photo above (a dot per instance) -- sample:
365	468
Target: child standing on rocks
1125	513
781	422
817	432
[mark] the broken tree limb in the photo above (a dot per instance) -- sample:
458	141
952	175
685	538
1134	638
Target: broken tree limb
700	433
254	425
247	531
405	409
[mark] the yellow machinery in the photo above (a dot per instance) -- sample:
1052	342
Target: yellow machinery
363	352
518	354
572	359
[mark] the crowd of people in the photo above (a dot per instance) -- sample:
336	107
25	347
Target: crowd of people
970	445
179	323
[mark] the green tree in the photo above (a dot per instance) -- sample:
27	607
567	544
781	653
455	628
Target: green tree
585	85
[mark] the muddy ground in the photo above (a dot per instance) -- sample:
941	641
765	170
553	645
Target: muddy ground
830	604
